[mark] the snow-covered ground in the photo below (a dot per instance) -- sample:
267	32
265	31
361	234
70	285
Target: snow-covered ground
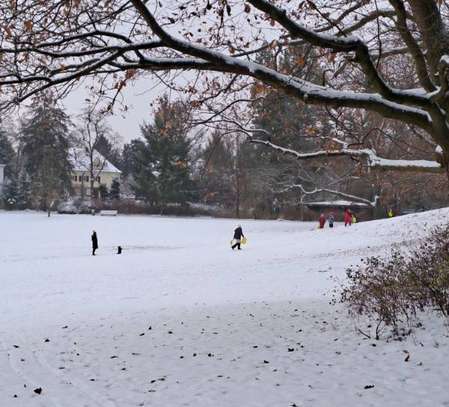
179	319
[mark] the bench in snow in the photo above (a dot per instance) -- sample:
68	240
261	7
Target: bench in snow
110	212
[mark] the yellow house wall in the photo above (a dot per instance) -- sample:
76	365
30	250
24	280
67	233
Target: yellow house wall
106	179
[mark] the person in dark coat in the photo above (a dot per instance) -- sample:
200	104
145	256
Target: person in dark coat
94	242
238	234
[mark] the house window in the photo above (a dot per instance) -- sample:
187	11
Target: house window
86	178
98	179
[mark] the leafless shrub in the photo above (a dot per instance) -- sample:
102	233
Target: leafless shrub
396	290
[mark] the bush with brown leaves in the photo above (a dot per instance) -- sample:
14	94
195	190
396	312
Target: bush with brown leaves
397	289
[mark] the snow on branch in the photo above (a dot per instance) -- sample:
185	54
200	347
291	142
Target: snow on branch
341	44
350	197
391	103
33	62
372	159
109	52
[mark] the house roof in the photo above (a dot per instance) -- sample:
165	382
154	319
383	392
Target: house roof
80	162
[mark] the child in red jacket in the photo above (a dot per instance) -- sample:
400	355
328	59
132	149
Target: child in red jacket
348	217
322	220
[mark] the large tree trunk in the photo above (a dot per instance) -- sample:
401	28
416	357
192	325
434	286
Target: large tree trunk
428	18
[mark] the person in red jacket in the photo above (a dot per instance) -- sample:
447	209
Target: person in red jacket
348	217
322	220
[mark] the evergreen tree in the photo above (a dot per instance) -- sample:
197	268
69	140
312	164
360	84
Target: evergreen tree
217	174
45	148
103	192
24	191
114	193
105	146
7	153
137	169
131	160
11	192
162	171
17	193
291	124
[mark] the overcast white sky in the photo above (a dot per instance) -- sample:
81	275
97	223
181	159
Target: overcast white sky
139	95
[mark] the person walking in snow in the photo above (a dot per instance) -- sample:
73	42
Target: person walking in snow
331	220
238	234
94	242
347	217
322	221
276	207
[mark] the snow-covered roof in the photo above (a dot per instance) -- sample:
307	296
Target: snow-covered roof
80	162
339	203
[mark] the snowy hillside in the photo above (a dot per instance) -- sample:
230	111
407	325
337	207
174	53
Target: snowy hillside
180	319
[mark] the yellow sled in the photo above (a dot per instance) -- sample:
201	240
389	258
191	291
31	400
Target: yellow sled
243	240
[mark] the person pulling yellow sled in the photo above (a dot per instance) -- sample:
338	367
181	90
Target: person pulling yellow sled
239	238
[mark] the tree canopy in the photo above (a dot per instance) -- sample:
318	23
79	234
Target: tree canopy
363	49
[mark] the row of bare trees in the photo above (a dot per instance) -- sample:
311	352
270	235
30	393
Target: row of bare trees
173	163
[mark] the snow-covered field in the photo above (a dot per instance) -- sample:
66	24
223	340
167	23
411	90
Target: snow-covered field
179	319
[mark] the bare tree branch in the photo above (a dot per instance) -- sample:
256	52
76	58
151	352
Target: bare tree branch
412	45
372	159
351	197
